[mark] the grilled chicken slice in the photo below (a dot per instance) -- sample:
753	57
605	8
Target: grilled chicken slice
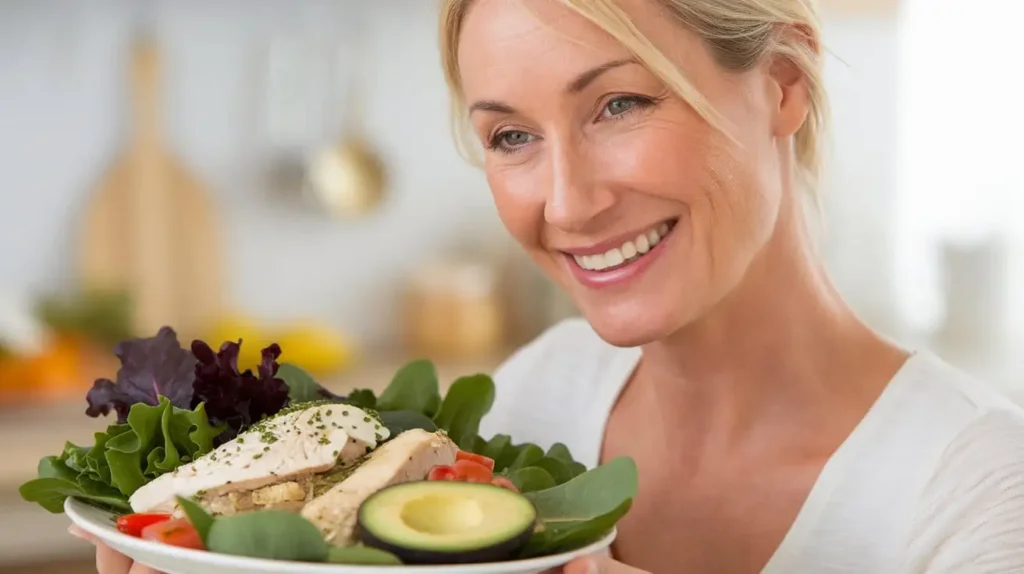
296	443
408	457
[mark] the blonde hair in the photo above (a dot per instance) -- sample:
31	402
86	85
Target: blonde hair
740	34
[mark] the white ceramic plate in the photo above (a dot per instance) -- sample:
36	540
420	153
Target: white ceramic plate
172	560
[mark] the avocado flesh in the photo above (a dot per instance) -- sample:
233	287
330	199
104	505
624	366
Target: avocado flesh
447	522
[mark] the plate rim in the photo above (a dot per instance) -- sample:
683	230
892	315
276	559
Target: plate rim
72	508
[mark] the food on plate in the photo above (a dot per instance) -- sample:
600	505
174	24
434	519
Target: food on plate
175	532
272	465
132	524
406	458
278	462
447	522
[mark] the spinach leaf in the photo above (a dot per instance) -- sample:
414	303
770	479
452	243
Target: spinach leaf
531	479
413	388
560	452
362	398
202	521
494	448
584	509
275	535
508	456
589	495
569	535
272	534
465	404
576	469
361	555
558	470
529	455
302	388
401	421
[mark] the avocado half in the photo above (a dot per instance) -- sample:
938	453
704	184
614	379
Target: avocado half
447	522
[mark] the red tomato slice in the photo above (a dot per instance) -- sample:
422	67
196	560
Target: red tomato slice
478	458
175	532
132	524
441	473
504	483
471	471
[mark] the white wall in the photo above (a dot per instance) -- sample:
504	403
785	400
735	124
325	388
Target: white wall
62	105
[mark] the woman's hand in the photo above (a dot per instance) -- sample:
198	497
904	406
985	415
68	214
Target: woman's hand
108	560
596	565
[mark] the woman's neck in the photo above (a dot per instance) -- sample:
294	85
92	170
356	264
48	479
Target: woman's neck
783	348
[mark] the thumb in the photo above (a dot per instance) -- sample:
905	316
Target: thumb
600	564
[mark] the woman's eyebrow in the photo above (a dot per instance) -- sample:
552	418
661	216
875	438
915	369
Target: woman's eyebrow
578	84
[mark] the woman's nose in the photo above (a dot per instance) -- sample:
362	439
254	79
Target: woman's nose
576	195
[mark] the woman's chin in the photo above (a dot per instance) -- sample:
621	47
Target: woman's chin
624	327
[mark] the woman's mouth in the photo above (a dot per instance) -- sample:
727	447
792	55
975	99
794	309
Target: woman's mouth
628	253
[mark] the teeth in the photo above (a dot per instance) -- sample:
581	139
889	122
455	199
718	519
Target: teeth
626	253
653	237
642	245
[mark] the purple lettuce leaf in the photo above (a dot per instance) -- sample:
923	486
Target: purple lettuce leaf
150	368
238	399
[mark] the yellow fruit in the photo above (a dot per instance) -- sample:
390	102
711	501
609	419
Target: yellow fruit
316	348
253	338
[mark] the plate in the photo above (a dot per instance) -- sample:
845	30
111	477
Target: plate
173	560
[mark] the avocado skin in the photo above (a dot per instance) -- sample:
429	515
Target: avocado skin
501	552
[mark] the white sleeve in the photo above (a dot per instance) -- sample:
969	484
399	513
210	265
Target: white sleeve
972	512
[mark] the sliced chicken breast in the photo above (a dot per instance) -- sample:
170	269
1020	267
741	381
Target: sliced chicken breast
408	457
297	442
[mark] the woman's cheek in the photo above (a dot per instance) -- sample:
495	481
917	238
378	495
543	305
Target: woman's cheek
519	199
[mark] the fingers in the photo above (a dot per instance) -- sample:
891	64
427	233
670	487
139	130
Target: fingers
599	565
108	560
81	534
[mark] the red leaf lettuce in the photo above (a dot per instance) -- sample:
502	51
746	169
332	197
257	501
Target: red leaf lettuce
239	399
150	368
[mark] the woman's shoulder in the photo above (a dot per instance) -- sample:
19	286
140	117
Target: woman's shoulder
971	511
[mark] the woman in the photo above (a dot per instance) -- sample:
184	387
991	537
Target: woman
655	158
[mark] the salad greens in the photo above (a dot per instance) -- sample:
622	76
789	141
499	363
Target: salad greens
277	535
174	405
153	440
574	514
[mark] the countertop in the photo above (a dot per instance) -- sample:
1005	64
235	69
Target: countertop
29	534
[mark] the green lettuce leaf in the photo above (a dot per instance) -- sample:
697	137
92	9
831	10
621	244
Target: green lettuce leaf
154	440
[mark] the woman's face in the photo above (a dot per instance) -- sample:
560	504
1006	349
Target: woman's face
645	213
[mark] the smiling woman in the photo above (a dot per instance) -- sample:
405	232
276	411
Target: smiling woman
654	157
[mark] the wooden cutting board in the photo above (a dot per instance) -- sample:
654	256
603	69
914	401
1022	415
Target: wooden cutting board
150	227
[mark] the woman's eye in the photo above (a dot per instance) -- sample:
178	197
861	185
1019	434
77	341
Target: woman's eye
511	139
619	106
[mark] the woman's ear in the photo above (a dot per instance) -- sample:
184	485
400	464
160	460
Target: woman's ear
795	42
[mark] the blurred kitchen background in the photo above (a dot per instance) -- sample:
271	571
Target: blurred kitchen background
284	171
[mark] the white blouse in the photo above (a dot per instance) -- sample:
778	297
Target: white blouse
931	480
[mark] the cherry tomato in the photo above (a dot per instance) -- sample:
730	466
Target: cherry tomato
479	458
471	471
175	532
132	524
441	473
504	483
